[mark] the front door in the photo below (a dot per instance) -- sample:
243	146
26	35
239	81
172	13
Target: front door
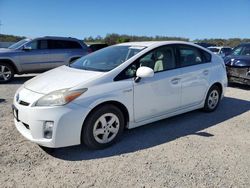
35	57
160	94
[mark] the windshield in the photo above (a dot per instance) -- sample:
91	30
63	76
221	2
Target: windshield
107	58
241	50
19	44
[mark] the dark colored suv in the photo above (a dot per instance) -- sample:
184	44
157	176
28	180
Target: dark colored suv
238	64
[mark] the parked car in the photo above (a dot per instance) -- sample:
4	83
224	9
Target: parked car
121	86
221	50
38	55
238	64
204	44
97	46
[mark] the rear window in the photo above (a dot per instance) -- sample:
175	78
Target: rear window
63	44
216	50
226	50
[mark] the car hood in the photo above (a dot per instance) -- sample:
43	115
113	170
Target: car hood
6	50
60	78
237	61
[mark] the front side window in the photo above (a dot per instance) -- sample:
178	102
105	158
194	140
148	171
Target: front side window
106	59
32	45
160	59
190	56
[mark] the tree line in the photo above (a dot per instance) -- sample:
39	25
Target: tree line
10	38
111	39
114	38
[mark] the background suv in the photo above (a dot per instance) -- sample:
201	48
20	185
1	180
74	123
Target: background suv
238	64
38	55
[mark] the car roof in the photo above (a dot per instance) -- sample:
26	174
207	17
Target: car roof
153	43
245	44
57	38
218	47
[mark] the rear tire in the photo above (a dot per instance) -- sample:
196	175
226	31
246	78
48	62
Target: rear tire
6	72
103	127
212	99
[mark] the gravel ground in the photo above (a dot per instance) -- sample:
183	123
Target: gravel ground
192	150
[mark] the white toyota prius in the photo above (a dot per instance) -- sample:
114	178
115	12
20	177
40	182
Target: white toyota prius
123	86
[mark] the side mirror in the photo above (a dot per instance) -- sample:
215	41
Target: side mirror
143	72
27	48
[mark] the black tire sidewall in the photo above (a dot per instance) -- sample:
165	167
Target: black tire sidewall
206	106
87	136
12	72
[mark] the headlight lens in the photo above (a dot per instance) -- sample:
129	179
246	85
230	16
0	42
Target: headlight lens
59	97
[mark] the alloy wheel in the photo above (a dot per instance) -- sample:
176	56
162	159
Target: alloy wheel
213	99
106	128
5	73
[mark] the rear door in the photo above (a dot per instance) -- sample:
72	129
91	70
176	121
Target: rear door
195	67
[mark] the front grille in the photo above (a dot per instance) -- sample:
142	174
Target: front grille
24	103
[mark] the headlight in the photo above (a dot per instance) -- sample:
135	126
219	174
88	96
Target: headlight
59	97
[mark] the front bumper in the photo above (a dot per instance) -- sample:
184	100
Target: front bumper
68	121
238	75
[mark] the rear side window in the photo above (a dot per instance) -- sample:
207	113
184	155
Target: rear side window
73	45
43	44
189	55
63	44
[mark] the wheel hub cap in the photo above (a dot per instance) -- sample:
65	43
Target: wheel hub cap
5	73
106	128
213	99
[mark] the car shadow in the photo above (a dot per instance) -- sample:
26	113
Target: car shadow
161	132
239	86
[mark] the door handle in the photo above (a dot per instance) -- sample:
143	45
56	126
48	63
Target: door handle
205	72
175	81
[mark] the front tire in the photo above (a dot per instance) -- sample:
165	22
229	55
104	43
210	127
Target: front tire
212	99
6	72
103	127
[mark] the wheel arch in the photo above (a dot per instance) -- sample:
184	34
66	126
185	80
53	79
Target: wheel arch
119	105
219	85
11	63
